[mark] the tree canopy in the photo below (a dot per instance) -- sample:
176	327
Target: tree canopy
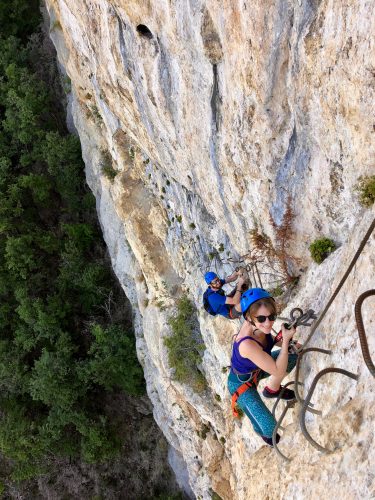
60	354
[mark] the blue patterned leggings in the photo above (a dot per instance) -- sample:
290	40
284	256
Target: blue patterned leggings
251	403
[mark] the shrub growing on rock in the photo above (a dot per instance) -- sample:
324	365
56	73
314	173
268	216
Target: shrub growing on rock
185	346
366	190
321	248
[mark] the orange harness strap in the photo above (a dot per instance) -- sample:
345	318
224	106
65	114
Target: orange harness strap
243	388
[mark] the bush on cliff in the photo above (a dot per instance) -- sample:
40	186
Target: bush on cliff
185	346
321	248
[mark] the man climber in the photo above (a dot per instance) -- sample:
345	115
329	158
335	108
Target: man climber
216	302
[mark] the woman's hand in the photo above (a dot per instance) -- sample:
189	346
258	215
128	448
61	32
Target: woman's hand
287	334
240	282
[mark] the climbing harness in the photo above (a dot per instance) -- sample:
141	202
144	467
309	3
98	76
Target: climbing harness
253	381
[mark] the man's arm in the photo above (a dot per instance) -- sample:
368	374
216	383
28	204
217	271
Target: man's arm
236	298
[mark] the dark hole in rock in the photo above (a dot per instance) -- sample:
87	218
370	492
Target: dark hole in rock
144	31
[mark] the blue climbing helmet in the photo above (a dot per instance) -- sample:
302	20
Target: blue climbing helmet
252	295
210	276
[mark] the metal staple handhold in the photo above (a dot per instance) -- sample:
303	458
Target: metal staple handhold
278	425
361	330
281	393
289	404
302	415
300	355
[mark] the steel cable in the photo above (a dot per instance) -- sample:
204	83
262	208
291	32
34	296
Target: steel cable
339	286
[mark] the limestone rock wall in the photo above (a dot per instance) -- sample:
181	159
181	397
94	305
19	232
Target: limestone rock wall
214	115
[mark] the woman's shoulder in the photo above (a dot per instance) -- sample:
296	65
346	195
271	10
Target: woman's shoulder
246	340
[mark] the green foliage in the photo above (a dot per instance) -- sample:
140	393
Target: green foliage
205	429
321	248
113	362
19	18
95	114
221	247
366	190
185	346
277	291
57	364
192	225
67	84
179	218
107	165
18	441
169	496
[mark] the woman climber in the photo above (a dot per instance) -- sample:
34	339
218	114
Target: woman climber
252	361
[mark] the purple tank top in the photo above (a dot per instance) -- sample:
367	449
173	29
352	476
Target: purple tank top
245	365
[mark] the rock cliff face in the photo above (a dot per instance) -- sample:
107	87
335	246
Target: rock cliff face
215	116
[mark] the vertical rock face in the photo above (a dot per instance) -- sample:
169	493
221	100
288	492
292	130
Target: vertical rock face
214	116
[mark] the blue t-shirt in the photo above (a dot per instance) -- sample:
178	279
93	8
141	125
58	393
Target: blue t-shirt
217	302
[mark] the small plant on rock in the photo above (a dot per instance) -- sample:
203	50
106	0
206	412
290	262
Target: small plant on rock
321	248
131	152
366	190
202	433
95	113
107	165
277	291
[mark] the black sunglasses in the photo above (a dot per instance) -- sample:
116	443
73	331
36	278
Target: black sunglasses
262	319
